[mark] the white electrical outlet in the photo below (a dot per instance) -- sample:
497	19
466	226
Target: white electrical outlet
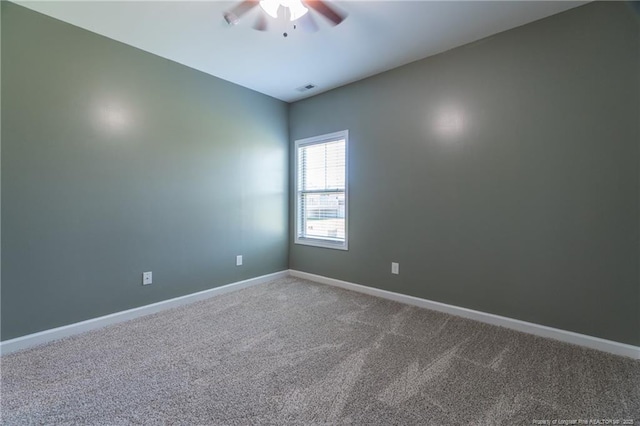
395	268
239	260
147	278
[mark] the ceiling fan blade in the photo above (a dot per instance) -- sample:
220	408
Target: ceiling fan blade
332	14
261	23
233	15
307	23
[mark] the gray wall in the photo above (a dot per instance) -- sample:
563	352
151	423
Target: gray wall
502	175
115	162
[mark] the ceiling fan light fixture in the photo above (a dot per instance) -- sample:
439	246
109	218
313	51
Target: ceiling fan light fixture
296	9
271	7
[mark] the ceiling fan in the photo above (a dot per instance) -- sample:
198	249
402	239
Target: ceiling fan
296	11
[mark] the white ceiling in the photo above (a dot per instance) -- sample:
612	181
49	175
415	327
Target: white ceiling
376	36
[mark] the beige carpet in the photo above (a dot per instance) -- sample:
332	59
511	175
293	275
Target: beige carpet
296	352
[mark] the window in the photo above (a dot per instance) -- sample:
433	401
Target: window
321	191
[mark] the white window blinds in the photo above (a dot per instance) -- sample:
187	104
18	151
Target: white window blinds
321	185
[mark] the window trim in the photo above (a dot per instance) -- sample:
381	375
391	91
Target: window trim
318	242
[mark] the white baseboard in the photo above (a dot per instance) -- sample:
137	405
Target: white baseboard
604	345
46	336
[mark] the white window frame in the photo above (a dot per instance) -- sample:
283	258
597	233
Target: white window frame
319	242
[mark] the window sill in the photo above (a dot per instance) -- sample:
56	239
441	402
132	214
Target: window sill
336	245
